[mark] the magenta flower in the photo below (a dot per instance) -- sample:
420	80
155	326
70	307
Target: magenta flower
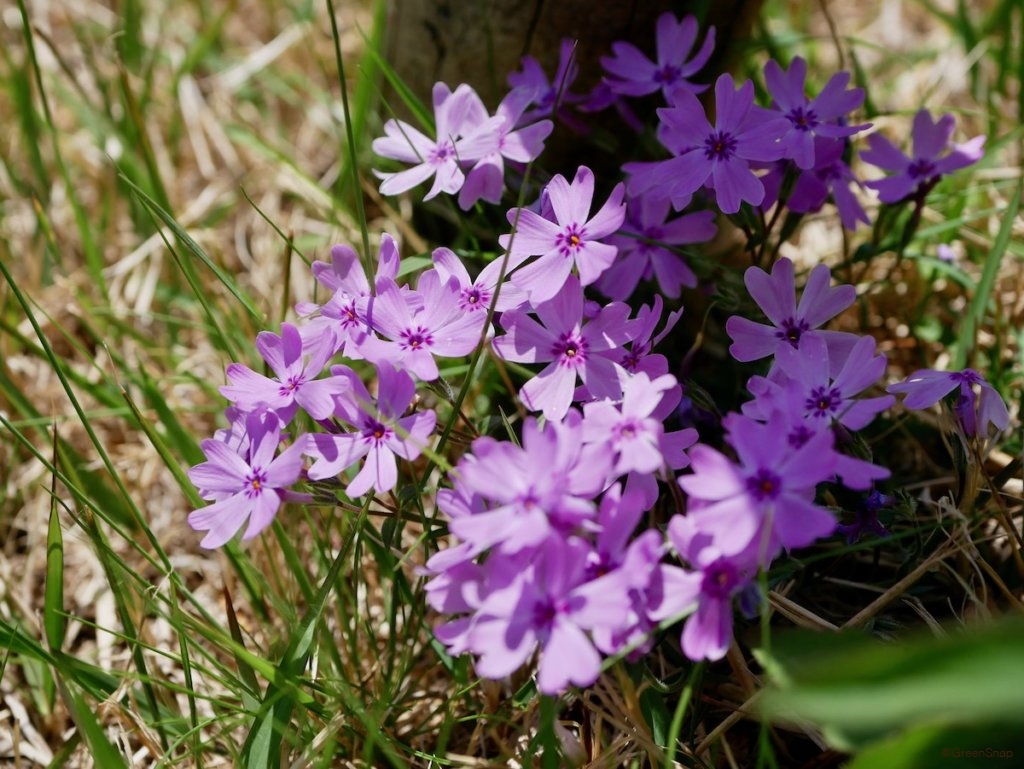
244	488
570	347
477	295
572	239
628	430
934	154
646	251
381	432
419	325
343	315
719	155
530	493
438	158
295	384
974	411
633	74
774	294
809	118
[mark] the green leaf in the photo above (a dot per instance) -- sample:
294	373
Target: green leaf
925	747
860	690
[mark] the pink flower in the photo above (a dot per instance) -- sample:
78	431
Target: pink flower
569	346
571	240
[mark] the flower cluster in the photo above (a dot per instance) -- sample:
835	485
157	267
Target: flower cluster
556	549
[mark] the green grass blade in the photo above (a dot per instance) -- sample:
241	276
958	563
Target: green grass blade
983	292
54	620
194	248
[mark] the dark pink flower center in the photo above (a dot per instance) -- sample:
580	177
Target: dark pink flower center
922	168
570	240
570	349
254	482
441	153
799	436
474	298
290	385
415	338
667	75
375	431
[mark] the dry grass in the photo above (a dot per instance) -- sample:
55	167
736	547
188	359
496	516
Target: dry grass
259	114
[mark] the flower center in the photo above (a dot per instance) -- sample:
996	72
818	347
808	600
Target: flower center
791	331
415	338
803	120
922	168
823	401
667	75
764	484
570	241
570	349
720	580
966	377
289	387
799	436
720	145
375	431
254	482
441	153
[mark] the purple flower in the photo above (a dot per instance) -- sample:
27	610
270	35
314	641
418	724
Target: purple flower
343	315
477	295
381	432
644	244
295	384
244	488
419	325
763	499
832	398
494	142
438	158
629	431
866	520
809	118
774	294
719	155
707	591
633	74
812	188
550	98
551	605
530	493
975	412
572	239
569	346
933	155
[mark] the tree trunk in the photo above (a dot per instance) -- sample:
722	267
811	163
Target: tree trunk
481	41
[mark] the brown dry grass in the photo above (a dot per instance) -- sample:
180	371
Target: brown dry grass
268	83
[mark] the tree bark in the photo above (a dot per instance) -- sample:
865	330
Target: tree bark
481	41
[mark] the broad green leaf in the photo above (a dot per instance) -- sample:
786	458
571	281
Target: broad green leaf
860	690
